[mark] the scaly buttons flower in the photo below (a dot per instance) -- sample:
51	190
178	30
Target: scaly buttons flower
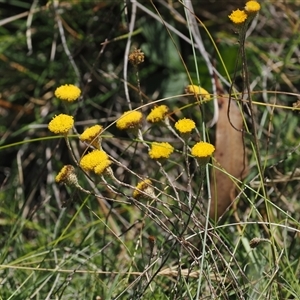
67	175
146	188
196	90
238	16
202	149
92	135
129	120
185	125
136	57
102	166
160	150
67	92
157	114
61	124
252	7
89	161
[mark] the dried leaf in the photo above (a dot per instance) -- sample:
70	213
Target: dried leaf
229	156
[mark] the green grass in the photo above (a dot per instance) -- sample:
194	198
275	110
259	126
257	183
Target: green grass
60	242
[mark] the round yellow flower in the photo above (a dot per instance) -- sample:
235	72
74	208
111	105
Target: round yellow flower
61	124
185	125
92	135
238	16
144	186
67	92
252	7
202	149
129	120
102	166
196	90
67	175
89	161
157	114
160	150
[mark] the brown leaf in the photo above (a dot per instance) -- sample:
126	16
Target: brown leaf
229	155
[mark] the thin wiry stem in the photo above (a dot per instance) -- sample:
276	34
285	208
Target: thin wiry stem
193	27
28	25
126	53
255	136
64	41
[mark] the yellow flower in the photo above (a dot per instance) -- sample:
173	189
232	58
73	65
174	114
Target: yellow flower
238	17
157	114
185	125
202	151
160	150
61	124
196	90
67	92
89	161
92	135
146	188
252	7
67	175
102	166
129	120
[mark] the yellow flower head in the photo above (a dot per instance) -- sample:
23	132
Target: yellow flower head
157	114
102	166
67	92
185	125
238	17
196	90
160	150
67	175
130	120
146	187
203	150
92	135
252	7
89	161
61	124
